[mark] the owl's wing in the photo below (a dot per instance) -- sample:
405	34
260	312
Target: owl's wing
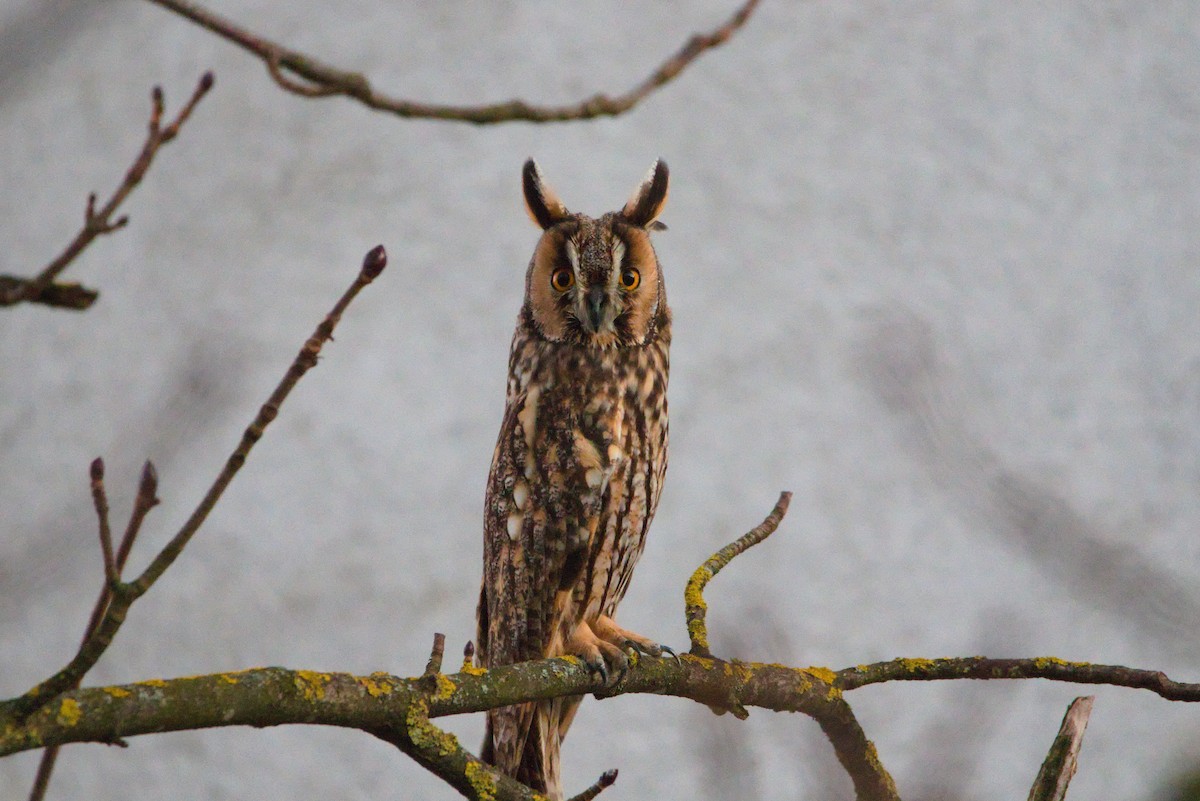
541	509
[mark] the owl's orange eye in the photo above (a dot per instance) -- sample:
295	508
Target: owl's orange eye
562	280
630	279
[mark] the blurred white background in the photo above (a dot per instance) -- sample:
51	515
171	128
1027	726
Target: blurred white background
933	267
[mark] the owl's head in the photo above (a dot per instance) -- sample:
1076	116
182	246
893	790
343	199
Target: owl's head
596	281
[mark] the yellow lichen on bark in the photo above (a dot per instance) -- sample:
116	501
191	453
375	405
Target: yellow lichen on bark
376	687
1043	662
424	734
445	688
693	598
481	781
68	712
312	684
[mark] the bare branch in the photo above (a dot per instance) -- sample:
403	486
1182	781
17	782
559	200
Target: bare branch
43	289
695	608
1062	761
147	499
373	264
1042	667
606	780
325	80
125	593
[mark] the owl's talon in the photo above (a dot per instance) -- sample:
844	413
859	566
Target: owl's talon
646	648
667	650
598	668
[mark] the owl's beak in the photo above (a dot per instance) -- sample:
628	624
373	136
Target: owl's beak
596	299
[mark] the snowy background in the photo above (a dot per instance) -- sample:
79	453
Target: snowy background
934	267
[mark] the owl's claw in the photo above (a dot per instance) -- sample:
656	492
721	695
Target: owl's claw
607	630
598	668
601	657
647	648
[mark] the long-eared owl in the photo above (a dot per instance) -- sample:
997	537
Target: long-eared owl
579	462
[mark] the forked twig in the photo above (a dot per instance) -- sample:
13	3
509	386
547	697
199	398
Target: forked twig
125	593
695	608
113	565
96	222
324	80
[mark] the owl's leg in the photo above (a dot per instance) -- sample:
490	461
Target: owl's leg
601	656
608	631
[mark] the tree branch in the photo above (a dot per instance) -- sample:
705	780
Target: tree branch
1060	765
695	609
1042	667
43	289
125	593
325	80
276	696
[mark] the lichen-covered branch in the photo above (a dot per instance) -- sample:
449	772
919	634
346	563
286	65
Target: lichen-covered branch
318	79
857	754
439	752
123	594
1041	667
377	703
695	609
43	288
278	696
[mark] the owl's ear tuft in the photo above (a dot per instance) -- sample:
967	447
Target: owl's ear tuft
543	205
647	201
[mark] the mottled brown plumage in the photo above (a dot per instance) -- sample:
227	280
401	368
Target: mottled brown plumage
579	462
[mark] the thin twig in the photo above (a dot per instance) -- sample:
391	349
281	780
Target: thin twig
100	501
1063	760
97	222
325	80
125	593
147	499
1041	667
695	608
373	264
606	780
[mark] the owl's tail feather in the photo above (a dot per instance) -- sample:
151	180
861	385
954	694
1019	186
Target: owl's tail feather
535	763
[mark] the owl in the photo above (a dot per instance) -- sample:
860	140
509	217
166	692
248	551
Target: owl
579	462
